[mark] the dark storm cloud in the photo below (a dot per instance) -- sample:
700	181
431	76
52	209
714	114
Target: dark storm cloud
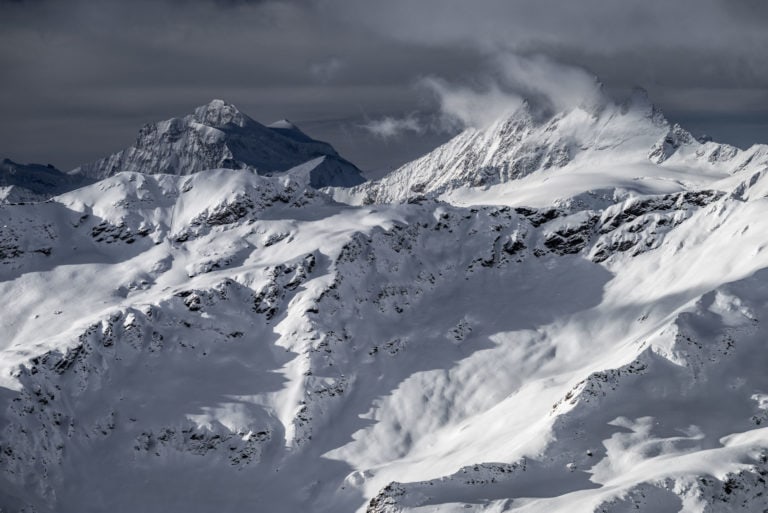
80	77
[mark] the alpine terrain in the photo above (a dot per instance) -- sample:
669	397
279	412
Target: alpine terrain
559	312
218	135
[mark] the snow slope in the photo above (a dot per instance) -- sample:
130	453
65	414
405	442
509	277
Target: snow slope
218	135
579	150
227	341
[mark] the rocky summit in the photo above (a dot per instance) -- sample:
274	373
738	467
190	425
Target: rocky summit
218	135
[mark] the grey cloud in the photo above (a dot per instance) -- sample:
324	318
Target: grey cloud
389	127
511	79
326	70
465	106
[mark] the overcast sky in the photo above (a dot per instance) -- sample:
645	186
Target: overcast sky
80	77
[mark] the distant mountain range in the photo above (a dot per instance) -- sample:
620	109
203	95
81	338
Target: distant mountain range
216	135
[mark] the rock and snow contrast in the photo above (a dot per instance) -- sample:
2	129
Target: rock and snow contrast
600	146
218	135
560	314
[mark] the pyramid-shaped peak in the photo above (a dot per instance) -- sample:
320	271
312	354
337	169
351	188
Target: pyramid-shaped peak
215	135
218	113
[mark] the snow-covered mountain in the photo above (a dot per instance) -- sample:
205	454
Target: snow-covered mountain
21	183
218	135
586	335
521	150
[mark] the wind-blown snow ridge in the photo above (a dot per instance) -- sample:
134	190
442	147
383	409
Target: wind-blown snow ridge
218	135
588	336
632	135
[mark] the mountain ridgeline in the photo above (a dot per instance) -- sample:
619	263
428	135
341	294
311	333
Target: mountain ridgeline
218	135
547	314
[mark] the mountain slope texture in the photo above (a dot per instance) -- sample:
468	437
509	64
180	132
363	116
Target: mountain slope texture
218	135
550	314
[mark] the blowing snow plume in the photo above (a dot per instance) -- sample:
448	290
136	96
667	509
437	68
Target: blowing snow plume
545	85
549	84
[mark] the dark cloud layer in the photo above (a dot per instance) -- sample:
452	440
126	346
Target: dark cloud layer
80	77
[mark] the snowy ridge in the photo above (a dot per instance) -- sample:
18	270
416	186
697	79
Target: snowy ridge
584	337
536	147
218	135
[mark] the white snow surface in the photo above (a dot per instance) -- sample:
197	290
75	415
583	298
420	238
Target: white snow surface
583	336
535	160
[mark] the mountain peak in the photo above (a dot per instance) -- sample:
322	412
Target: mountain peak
232	140
531	140
219	113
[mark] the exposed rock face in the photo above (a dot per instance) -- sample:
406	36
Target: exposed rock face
218	135
672	141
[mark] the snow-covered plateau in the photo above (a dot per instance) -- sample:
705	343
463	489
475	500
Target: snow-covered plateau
561	313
